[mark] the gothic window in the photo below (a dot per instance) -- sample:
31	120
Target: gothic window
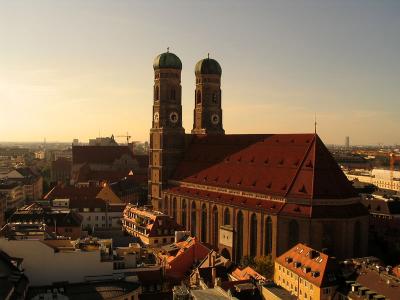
215	98
166	204
215	226
328	237
193	219
227	217
157	93
204	223
268	236
183	213
198	97
357	239
172	96
253	235
293	233
239	232
174	208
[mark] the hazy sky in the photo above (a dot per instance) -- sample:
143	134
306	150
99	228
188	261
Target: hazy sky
69	69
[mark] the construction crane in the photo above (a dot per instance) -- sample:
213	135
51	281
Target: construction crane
393	158
127	136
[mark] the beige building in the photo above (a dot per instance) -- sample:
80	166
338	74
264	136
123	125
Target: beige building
49	261
152	227
13	193
307	273
382	178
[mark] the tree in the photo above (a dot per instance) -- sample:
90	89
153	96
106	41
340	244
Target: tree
263	265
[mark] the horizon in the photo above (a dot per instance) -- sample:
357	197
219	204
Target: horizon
70	69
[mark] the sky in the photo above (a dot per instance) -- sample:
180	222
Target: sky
80	69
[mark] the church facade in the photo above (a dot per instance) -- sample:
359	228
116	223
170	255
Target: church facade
245	194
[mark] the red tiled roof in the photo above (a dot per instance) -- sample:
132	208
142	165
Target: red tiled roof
286	165
326	266
72	192
106	175
99	154
377	282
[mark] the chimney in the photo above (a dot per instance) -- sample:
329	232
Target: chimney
213	274
213	260
131	147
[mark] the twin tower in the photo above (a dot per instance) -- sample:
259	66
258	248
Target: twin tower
167	136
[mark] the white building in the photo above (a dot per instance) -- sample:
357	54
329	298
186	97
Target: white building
378	177
49	261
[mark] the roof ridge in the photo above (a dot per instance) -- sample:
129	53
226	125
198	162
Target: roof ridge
300	167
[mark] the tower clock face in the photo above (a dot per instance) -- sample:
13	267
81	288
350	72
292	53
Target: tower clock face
156	117
215	119
174	117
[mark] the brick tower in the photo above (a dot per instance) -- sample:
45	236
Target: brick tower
208	111
167	136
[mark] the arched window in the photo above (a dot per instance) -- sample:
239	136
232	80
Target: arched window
204	223
225	253
172	96
215	98
357	239
227	217
215	226
166	204
239	240
253	235
328	241
183	213
293	233
193	219
174	208
268	236
157	93
198	97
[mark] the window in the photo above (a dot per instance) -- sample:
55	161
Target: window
86	209
198	98
157	93
268	236
172	97
96	218
204	223
156	241
227	217
253	235
88	218
239	240
103	218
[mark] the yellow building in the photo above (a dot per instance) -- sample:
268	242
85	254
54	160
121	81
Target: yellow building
307	273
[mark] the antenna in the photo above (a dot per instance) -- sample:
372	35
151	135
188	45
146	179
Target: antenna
167	49
208	55
315	123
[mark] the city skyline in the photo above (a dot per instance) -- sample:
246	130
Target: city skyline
81	68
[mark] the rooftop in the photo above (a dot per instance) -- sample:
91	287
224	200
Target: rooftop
86	290
282	165
315	267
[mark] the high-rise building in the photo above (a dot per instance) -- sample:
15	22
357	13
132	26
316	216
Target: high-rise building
347	142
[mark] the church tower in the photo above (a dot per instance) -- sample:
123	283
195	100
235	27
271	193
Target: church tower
208	111
167	136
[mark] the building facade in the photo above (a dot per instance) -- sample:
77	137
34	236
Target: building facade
307	273
153	228
246	194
